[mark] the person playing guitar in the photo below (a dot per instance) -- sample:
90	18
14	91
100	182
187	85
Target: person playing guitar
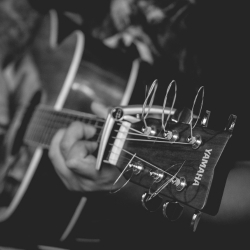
73	157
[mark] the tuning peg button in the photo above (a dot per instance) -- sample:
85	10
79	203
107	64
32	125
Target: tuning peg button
171	135
195	220
150	131
157	175
152	204
196	141
205	119
231	123
181	184
172	210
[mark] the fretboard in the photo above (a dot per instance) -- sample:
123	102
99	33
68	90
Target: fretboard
45	122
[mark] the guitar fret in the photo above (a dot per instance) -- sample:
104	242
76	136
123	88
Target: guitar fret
37	128
46	122
45	134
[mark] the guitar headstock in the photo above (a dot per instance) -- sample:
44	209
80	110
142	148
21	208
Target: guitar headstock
172	154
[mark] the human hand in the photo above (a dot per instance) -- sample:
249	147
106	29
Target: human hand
72	157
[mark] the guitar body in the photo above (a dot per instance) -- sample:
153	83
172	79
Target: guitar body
36	208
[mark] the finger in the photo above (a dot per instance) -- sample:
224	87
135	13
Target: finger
57	158
99	109
68	177
55	142
82	149
79	174
75	132
103	180
85	167
80	159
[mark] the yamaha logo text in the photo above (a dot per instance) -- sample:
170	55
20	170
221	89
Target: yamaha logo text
202	167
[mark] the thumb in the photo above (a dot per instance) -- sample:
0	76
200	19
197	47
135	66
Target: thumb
83	167
99	109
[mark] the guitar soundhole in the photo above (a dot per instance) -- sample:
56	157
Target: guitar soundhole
9	186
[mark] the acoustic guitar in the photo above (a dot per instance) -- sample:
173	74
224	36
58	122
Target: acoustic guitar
171	154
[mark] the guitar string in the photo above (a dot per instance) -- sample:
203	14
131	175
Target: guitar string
122	173
47	138
151	137
50	128
74	117
151	92
148	136
53	126
83	119
116	138
155	141
48	109
125	170
137	157
43	121
127	158
192	110
165	183
162	185
164	105
59	122
143	135
128	127
67	118
77	116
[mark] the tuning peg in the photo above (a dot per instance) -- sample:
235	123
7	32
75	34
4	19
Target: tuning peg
150	131
181	184
171	135
205	119
196	141
152	204
231	123
195	220
182	116
172	210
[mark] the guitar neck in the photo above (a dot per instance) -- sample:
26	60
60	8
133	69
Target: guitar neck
46	121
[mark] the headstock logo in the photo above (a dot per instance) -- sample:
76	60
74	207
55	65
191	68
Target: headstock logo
202	167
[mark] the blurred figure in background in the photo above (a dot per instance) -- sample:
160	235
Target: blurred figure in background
18	73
